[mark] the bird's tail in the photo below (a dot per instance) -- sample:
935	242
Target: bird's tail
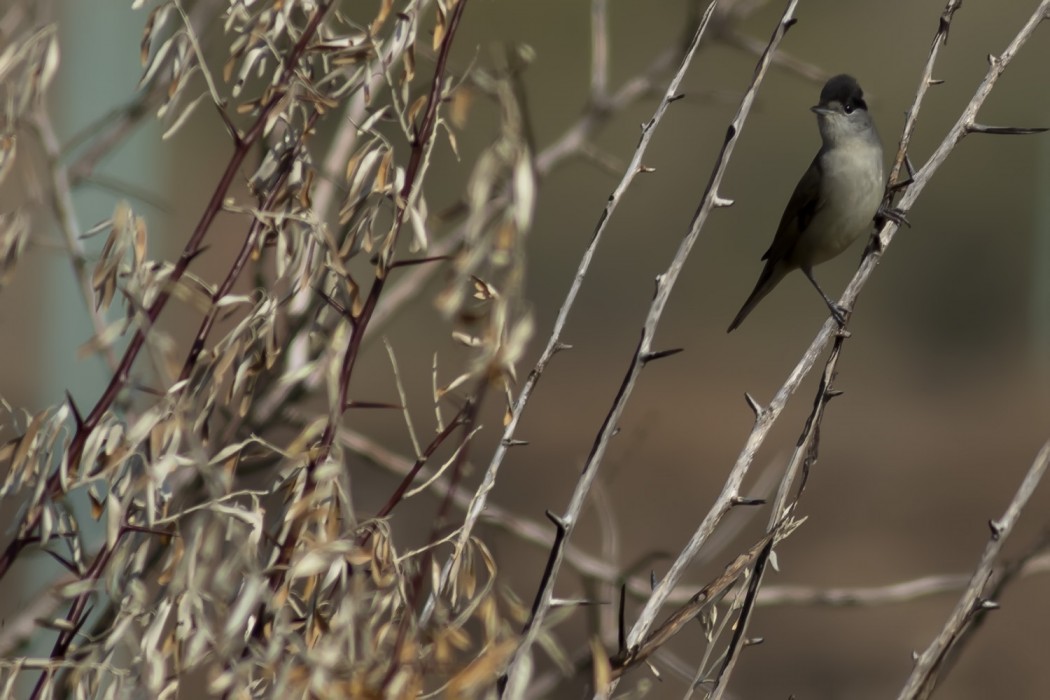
771	275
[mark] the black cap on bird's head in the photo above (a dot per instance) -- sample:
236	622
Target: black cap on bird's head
841	93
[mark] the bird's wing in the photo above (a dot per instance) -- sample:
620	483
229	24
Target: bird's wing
804	204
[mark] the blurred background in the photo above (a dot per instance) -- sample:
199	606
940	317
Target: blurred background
946	376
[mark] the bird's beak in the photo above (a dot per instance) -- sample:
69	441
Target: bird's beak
820	109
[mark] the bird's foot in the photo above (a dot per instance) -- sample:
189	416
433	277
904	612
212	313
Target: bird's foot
840	314
893	214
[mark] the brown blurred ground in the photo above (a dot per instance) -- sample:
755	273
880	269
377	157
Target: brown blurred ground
946	393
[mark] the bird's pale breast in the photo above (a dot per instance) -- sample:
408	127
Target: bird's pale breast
852	189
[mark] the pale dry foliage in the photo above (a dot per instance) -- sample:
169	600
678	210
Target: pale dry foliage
284	590
233	556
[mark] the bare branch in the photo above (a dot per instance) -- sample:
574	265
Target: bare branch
65	214
929	666
767	416
730	491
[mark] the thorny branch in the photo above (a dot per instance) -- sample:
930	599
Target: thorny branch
930	666
163	482
590	566
192	249
805	452
601	107
575	140
664	284
423	135
243	145
765	417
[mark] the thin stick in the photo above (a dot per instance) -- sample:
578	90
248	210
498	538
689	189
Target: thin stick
766	417
930	665
554	343
64	211
664	284
598	568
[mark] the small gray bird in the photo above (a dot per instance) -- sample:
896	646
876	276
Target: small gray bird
834	202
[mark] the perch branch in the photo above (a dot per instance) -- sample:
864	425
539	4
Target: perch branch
664	284
767	416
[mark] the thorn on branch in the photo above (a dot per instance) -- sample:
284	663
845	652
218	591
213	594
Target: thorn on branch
145	389
548	571
675	98
339	308
832	393
371	404
149	531
653	580
744	501
997	529
659	355
790	22
654	670
65	563
559	346
76	413
75	631
753	405
934	81
754	641
558	522
976	128
418	261
230	126
720	202
190	256
986	605
642	169
511	442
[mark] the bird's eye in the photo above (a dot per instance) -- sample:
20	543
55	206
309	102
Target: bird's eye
848	108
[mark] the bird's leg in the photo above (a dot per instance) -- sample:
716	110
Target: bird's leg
839	313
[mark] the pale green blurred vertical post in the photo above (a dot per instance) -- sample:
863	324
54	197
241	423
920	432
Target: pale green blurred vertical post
99	71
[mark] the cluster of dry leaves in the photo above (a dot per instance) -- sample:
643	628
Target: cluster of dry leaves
231	557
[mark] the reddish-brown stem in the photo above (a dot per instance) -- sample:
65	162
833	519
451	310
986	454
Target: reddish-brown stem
76	615
469	415
242	146
423	133
238	264
438	440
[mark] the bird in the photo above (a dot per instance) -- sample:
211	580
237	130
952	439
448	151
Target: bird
834	202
